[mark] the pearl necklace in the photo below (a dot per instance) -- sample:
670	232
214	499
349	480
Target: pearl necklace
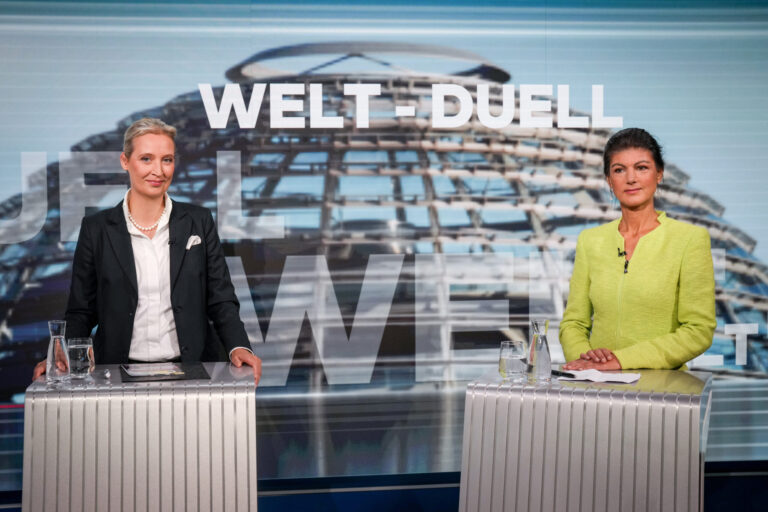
153	226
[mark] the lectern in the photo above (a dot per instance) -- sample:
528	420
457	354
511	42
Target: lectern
106	444
570	446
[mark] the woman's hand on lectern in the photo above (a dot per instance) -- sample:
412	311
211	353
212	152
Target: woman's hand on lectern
39	370
40	367
598	355
241	356
597	359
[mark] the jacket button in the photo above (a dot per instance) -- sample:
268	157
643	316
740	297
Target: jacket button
130	314
183	350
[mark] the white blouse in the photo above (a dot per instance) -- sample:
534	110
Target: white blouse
154	328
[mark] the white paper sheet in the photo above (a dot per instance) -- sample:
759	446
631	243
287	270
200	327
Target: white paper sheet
598	376
153	369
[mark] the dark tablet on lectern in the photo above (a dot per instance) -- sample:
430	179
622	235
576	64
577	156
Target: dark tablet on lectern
150	372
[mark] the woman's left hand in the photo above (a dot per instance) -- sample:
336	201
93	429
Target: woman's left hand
241	356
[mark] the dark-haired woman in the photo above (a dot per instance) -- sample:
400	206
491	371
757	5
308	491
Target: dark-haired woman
642	293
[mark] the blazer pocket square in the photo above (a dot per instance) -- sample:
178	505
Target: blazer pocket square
193	240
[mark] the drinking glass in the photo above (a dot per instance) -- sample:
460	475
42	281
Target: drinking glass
57	362
80	357
512	360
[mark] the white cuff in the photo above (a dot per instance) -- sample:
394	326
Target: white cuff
244	348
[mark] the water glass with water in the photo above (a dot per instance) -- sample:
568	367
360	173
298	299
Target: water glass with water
57	362
512	360
81	360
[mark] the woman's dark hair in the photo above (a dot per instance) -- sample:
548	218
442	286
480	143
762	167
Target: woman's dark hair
631	138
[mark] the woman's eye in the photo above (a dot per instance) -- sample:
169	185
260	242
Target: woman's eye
168	160
145	159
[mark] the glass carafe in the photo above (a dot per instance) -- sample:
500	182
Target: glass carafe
539	360
57	362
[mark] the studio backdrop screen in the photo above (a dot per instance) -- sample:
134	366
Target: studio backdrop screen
393	182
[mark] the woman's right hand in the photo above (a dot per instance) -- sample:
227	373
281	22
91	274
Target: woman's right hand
39	370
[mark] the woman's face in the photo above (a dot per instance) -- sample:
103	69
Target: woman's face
150	165
633	177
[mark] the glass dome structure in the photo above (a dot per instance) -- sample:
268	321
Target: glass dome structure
397	187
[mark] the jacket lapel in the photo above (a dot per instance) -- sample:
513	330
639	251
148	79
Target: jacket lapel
120	240
180	229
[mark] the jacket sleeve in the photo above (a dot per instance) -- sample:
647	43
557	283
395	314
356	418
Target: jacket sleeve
577	319
695	314
222	305
82	312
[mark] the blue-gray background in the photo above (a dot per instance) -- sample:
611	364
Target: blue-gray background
693	73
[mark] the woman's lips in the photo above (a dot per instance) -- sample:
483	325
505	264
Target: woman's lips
155	183
632	190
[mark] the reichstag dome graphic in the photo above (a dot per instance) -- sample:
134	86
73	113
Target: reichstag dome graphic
398	187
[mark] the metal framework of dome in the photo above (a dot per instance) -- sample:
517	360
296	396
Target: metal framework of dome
399	187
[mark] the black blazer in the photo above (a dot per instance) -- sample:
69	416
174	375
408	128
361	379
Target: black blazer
104	290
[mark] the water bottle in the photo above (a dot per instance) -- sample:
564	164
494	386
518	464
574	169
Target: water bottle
539	361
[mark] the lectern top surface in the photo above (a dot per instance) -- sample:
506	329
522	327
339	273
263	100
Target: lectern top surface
672	382
111	379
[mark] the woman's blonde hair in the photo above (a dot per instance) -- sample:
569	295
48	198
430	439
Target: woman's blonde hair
144	126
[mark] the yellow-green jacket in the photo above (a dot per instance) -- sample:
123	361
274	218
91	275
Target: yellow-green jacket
658	314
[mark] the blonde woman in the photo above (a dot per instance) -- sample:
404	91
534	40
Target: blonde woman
150	273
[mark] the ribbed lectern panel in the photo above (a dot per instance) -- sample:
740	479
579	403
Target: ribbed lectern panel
134	447
581	447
